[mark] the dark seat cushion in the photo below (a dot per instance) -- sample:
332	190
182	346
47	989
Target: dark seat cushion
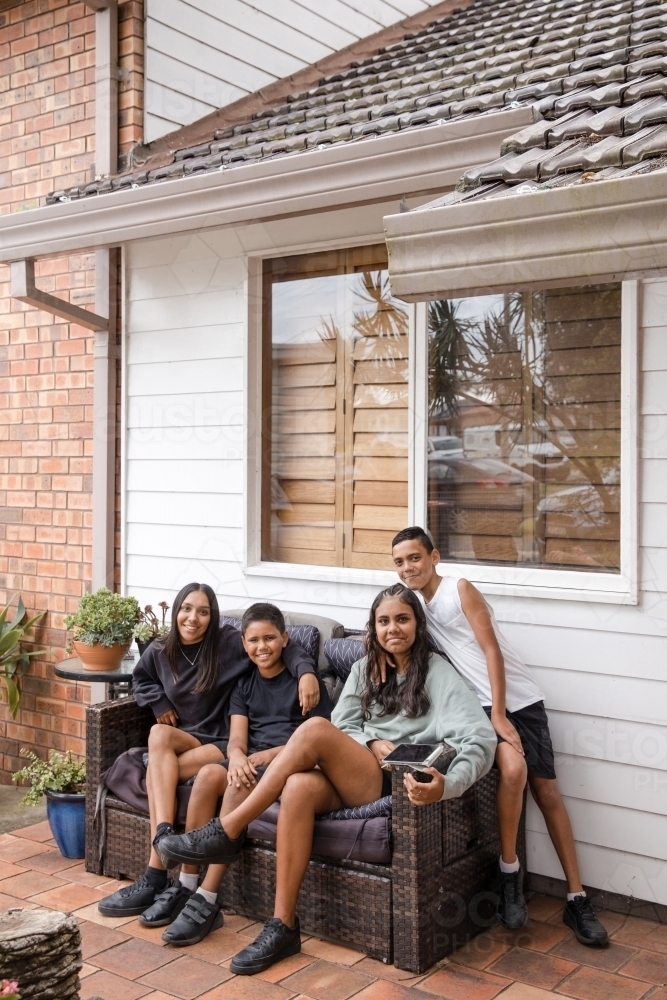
366	838
342	653
306	636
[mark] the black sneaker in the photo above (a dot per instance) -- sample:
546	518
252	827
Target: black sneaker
197	919
168	904
130	901
512	911
580	916
209	845
274	942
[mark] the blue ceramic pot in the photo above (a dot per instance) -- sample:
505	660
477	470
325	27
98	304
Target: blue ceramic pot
66	814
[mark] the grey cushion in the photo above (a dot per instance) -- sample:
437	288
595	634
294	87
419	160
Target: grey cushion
342	653
342	839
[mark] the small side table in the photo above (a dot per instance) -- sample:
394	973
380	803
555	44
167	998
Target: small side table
119	680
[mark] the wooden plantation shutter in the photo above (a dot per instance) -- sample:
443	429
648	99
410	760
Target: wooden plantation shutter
524	429
335	410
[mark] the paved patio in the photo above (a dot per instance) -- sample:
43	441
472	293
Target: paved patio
124	961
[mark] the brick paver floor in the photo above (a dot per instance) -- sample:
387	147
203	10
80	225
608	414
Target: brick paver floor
125	961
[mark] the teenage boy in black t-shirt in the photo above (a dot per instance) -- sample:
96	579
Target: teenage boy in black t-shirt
264	711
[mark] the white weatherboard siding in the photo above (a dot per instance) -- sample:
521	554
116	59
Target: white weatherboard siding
204	54
603	667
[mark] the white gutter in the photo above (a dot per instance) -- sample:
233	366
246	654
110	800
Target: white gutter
405	163
599	231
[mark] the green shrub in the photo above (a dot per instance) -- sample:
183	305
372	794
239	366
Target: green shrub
14	660
60	773
104	618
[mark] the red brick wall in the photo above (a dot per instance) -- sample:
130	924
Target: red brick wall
47	141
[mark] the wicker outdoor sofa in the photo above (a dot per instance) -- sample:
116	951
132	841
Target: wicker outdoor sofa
431	895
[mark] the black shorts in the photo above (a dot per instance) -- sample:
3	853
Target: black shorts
532	725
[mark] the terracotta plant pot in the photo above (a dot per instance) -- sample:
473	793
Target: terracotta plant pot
99	657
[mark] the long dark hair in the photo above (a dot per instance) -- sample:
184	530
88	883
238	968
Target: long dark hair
208	666
410	696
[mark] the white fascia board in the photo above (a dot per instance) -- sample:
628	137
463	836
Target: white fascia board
601	231
420	161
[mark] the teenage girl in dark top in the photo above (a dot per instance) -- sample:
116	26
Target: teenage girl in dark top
187	680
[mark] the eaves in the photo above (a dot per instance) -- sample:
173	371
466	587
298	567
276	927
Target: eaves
418	162
585	233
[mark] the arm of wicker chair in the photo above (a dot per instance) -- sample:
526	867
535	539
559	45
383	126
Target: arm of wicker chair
112	727
416	862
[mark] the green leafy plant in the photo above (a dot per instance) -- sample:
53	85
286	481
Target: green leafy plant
150	627
60	773
14	659
104	619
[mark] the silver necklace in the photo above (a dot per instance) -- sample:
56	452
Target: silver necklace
191	662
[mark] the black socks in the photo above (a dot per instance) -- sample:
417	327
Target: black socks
163	830
156	877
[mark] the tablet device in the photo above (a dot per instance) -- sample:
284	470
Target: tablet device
419	756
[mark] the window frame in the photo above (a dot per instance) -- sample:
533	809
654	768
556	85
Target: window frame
612	588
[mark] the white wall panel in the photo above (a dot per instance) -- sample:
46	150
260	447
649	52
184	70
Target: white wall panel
609	826
161	411
178	508
642	656
616	871
204	54
595	739
609	697
212	375
221	341
185	542
613	784
189	476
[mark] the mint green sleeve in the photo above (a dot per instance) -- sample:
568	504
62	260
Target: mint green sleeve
347	715
465	725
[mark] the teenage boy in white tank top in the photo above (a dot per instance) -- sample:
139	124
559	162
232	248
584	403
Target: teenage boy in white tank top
463	625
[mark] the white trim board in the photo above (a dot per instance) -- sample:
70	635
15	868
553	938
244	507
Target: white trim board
348	174
602	231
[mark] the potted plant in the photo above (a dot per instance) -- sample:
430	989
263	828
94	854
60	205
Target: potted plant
61	779
102	628
150	627
14	660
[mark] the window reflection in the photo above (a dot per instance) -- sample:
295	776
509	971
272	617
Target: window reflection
524	428
336	396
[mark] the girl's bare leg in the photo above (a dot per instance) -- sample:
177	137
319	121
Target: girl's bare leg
167	746
305	796
351	768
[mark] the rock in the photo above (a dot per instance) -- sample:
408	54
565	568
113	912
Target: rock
41	949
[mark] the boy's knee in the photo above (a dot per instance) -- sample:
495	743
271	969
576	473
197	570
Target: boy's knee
545	790
211	776
513	769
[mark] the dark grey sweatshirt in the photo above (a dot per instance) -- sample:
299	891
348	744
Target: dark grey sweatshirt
205	716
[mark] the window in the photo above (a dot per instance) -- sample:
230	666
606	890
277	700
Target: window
524	428
335	404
